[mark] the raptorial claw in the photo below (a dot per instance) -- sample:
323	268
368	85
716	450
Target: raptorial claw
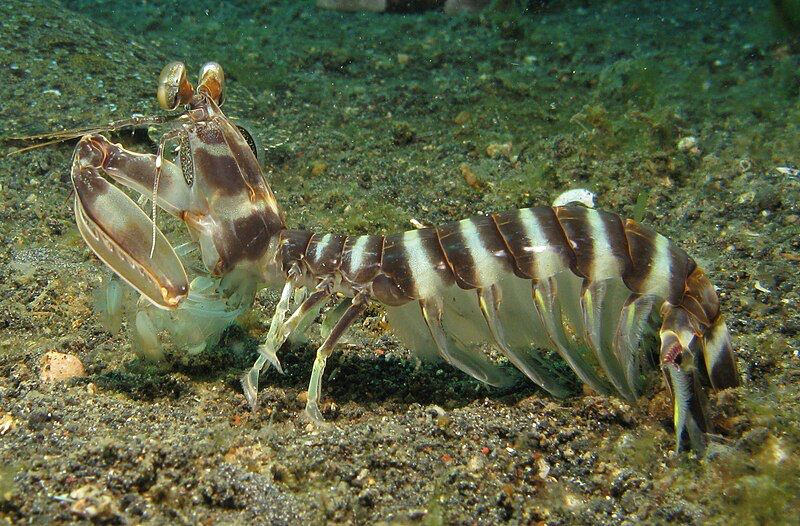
119	232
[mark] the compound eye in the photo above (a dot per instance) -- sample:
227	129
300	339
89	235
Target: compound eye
173	87
212	82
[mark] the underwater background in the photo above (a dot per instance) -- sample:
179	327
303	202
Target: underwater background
682	114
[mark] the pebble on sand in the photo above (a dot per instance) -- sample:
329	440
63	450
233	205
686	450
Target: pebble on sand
57	367
92	502
497	150
469	176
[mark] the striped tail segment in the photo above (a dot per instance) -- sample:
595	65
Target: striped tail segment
695	345
694	323
570	280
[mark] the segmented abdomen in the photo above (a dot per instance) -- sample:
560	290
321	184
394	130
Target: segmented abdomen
536	244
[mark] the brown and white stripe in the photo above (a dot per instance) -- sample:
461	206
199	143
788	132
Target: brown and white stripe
361	258
535	241
532	243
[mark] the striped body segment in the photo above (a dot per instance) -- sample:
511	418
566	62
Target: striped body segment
571	280
531	243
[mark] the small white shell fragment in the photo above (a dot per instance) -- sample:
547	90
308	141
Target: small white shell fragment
7	423
544	468
785	170
687	144
576	195
761	288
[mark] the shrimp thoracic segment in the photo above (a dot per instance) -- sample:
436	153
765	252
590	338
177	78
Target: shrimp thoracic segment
540	285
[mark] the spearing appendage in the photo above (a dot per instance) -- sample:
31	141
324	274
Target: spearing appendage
280	329
489	301
354	310
679	366
117	230
548	307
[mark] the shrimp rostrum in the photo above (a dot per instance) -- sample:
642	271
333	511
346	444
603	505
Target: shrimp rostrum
541	287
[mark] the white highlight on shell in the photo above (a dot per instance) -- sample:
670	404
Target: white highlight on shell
660	273
604	263
576	195
357	254
547	262
425	277
490	269
321	247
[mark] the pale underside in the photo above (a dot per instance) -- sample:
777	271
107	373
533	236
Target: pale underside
596	332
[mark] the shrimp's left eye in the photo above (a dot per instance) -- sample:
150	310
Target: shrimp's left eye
173	87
